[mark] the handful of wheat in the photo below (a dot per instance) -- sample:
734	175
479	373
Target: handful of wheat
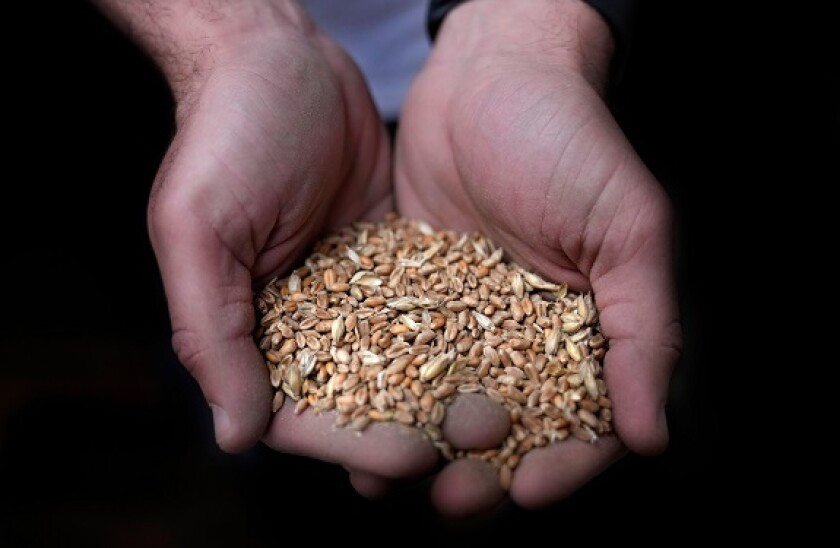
390	321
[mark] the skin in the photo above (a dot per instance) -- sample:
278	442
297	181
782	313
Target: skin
505	130
277	142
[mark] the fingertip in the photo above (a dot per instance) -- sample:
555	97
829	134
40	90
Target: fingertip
638	377
474	421
241	411
368	485
645	435
392	450
467	488
553	473
235	436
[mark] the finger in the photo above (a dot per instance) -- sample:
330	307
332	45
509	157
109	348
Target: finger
638	314
470	413
474	421
549	474
466	488
210	302
370	486
637	375
389	450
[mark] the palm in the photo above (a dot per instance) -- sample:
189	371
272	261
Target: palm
271	151
531	156
525	163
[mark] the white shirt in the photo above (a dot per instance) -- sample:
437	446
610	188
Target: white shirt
386	38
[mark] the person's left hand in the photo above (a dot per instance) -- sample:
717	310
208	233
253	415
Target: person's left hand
505	131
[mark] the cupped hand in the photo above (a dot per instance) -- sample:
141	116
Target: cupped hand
277	140
506	131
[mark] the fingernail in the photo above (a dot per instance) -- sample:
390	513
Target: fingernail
221	422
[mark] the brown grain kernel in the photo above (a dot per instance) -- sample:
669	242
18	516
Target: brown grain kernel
289	346
416	388
587	417
574	350
583	433
301	405
505	477
438	413
377	415
443	391
277	402
589	405
403	416
427	401
517	358
399	329
519	344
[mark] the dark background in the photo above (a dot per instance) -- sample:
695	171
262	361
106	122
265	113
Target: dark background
105	440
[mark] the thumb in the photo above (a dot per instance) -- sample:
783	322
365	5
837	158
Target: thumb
208	290
639	316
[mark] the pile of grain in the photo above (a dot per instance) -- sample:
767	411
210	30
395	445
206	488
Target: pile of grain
390	321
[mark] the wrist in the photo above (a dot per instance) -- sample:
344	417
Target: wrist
567	34
187	38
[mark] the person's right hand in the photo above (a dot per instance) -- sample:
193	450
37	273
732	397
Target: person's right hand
277	140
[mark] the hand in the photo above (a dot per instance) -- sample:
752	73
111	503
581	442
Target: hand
505	131
277	141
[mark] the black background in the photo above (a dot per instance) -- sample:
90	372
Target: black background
105	440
